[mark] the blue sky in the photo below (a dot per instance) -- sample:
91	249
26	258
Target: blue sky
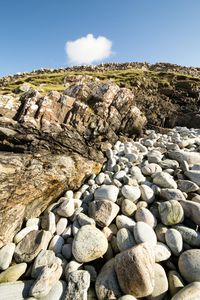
33	33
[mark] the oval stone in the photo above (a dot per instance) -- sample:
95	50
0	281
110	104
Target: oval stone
132	193
171	212
174	241
144	233
189	265
189	292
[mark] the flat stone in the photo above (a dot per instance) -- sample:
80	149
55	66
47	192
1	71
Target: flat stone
18	290
189	292
44	258
181	155
124	222
135	270
106	192
31	245
161	284
22	233
103	212
187	186
147	194
13	273
61	225
189	265
144	215
132	193
106	284
144	233
162	252
78	284
164	180
189	235
6	254
175	282
169	164
191	210
172	194
193	176
56	244
66	208
171	212
89	244
47	278
48	222
174	241
125	239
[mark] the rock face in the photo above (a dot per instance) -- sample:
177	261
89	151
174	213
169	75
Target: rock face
56	139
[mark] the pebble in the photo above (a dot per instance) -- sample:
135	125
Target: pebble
144	233
56	244
128	207
174	241
164	180
175	282
162	252
103	212
89	244
13	273
91	270
106	285
191	210
160	285
171	212
106	192
32	222
22	233
66	208
187	186
61	225
150	169
100	178
6	254
189	235
48	222
189	265
132	193
147	194
135	270
78	284
189	292
124	222
57	292
193	175
71	267
160	231
125	239
67	251
18	290
172	194
127	297
144	215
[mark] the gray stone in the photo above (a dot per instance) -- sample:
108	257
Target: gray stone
92	272
132	193
162	252
18	290
89	244
151	168
106	285
189	235
56	293
189	292
160	231
13	273
61	225
181	155
194	176
161	284
189	265
44	258
169	164
124	222
171	212
172	194
22	233
48	222
144	215
31	245
56	244
187	186
164	180
103	212
144	233
67	251
147	194
125	239
135	270
66	208
175	282
85	220
108	192
47	278
6	254
191	210
78	284
174	241
100	178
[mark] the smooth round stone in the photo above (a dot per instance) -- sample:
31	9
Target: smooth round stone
128	207
147	194
89	244
61	225
189	292
120	175
132	193
172	194
33	221
18	290
6	254
57	292
162	252
161	284
137	174
13	273
150	169
91	270
189	235
175	282
124	222
189	265
56	244
106	192
144	233
125	239
66	208
160	231
191	210
164	180
181	155
114	245
100	178
174	241
48	222
141	204
193	176
67	232
144	215
169	164
22	233
85	220
171	212
187	186
135	270
67	251
106	284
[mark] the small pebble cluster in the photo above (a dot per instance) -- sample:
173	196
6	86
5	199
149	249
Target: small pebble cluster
131	232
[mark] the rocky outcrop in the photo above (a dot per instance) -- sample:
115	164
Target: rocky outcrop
52	143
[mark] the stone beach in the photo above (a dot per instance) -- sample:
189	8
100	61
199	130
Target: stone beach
129	232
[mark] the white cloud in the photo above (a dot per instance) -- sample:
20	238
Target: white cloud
88	49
